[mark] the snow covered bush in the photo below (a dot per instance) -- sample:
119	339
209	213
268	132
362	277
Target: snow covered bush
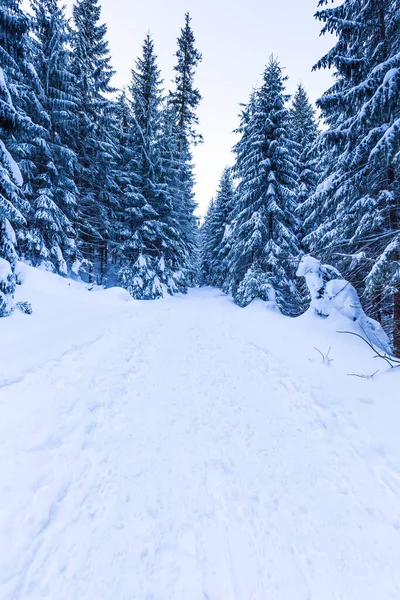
142	279
331	294
25	307
255	284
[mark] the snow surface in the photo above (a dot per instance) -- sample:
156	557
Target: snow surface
188	449
5	269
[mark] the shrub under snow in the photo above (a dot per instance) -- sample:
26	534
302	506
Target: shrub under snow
331	294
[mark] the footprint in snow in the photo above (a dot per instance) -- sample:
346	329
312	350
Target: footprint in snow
366	401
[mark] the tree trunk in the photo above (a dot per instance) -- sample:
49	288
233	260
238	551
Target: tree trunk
394	219
377	307
396	321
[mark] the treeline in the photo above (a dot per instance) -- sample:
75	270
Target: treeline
332	191
94	182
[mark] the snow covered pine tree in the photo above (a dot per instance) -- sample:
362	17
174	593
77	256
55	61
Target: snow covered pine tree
51	166
13	207
359	199
263	254
185	99
216	238
150	255
304	131
96	140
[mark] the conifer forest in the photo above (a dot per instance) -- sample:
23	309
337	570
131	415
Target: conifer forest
199	351
98	183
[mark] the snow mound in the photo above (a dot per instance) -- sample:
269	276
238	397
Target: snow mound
115	293
330	295
66	315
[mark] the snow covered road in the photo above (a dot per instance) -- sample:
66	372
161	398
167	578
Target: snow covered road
174	456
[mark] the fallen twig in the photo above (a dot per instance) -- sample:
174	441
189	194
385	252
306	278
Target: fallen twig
362	376
325	357
391	360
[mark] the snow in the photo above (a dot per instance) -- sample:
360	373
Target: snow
11	165
331	295
191	449
5	269
4	88
392	73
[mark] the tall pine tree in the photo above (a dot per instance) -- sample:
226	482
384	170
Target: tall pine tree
96	140
50	164
265	242
151	265
304	131
13	123
359	200
216	237
185	99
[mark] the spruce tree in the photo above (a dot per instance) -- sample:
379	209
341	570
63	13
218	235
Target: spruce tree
304	132
174	169
127	216
51	165
13	206
265	243
185	99
151	264
217	233
96	142
206	245
359	200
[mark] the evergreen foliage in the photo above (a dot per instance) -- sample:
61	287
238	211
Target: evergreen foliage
52	165
90	185
304	132
216	238
265	226
358	203
13	206
102	185
152	251
95	140
185	99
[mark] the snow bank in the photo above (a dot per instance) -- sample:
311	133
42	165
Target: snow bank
331	294
66	315
355	382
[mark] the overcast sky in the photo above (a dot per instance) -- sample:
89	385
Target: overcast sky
236	37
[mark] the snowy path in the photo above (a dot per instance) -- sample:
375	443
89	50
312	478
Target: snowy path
175	458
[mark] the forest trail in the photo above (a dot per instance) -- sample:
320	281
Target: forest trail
174	457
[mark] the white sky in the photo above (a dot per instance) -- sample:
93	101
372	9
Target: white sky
236	38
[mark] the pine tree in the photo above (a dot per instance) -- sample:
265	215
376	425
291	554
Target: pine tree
127	217
265	243
10	199
216	241
96	139
13	205
186	96
359	200
50	165
206	245
304	132
174	171
185	99
152	252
